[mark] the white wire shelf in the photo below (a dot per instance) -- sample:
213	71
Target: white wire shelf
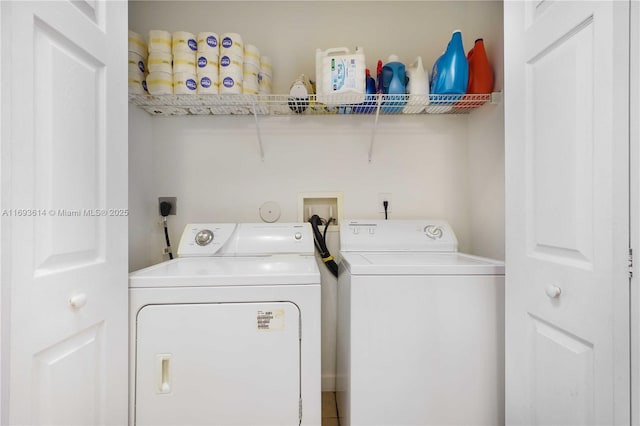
341	104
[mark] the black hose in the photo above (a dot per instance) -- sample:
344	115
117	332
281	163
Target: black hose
321	244
165	210
166	238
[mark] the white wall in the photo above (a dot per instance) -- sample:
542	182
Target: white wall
486	185
143	206
434	166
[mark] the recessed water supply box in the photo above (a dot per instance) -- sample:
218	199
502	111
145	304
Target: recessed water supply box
324	204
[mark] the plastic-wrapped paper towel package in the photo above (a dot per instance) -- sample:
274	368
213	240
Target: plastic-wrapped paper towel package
231	63
137	64
160	78
184	63
207	64
251	69
184	48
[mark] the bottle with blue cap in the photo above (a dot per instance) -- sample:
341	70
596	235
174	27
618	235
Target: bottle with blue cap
368	106
451	71
393	83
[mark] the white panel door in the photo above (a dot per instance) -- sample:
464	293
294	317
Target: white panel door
64	201
567	230
218	364
634	126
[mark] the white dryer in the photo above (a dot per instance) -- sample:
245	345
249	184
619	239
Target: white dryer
229	332
420	328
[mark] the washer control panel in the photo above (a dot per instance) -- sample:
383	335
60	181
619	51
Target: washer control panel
397	235
434	232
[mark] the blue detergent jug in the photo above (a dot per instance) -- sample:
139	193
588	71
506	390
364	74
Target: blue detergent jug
393	83
450	73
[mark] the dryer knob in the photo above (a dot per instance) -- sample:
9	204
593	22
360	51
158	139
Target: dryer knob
204	237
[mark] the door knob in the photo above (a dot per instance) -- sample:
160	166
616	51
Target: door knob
553	291
78	300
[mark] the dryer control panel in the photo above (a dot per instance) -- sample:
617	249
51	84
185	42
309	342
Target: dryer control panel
204	239
397	235
246	239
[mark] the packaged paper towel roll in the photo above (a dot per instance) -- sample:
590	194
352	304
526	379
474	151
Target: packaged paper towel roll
134	72
251	69
184	61
250	84
231	65
231	85
232	45
207	61
184	83
137	44
251	55
160	62
137	60
182	40
160	83
208	83
136	85
265	76
266	67
208	42
159	41
264	84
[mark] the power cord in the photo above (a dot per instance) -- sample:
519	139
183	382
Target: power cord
165	210
321	243
385	203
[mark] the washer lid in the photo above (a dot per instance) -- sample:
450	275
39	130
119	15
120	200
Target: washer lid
228	271
418	263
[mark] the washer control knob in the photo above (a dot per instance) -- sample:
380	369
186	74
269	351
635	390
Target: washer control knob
356	230
204	237
434	232
298	236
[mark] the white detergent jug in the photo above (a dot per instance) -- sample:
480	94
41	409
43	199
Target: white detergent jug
340	76
417	88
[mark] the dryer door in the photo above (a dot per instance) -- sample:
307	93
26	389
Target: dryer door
218	364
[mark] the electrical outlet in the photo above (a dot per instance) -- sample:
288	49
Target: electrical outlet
172	200
382	197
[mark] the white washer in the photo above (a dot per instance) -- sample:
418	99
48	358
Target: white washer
420	328
229	332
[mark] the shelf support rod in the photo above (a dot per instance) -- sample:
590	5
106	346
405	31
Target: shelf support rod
255	115
375	127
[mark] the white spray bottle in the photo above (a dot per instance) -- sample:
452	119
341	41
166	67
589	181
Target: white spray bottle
417	88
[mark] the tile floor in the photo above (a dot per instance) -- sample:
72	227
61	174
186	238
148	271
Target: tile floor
329	410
